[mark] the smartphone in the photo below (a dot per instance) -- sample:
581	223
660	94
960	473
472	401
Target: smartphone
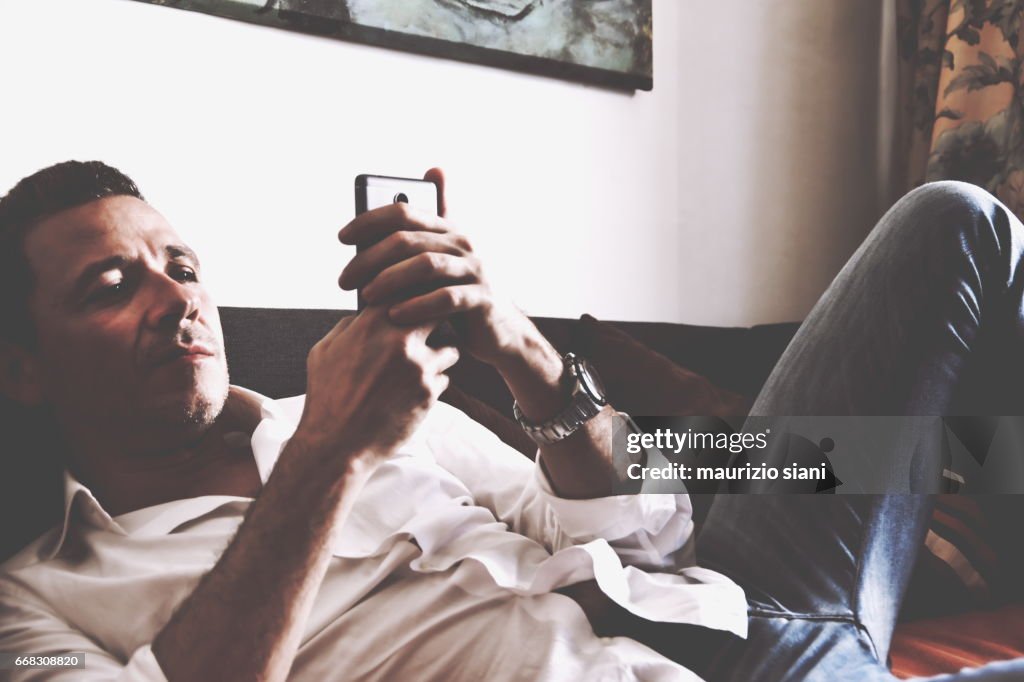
374	191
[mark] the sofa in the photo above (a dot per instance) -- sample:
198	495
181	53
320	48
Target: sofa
648	369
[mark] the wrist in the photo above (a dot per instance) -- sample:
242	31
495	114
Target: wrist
586	400
332	457
529	352
536	377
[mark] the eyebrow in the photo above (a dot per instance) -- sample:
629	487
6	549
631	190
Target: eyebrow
94	270
182	251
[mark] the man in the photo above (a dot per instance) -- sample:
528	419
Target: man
376	546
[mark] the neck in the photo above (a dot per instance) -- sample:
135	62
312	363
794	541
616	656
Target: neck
132	473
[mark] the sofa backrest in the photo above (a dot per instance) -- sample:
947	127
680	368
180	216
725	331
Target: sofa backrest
267	347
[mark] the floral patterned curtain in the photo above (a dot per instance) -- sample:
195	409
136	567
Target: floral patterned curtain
961	87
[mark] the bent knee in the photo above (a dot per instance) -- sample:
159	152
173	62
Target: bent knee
957	213
950	198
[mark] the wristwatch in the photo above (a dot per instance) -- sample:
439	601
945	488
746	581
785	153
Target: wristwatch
586	400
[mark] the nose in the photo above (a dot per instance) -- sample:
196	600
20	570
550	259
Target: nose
170	303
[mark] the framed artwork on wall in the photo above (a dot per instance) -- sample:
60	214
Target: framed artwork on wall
601	42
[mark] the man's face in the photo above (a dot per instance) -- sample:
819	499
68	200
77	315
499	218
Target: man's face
125	331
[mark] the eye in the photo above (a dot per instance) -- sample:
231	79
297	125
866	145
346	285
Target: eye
185	274
108	292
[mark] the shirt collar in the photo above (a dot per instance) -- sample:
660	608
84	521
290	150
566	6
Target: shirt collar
79	505
278	419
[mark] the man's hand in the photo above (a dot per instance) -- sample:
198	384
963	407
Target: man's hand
422	269
370	383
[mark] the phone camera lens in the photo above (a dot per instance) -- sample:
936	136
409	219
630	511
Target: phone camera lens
401	198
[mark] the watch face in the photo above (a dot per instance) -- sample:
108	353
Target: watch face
591	383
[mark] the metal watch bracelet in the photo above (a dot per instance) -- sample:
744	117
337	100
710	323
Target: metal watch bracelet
582	406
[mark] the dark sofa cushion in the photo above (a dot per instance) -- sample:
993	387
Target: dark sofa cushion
737	359
641	381
267	350
267	347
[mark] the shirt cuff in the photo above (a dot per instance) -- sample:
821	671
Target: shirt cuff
142	667
614	517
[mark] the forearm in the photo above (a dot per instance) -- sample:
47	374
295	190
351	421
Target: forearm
245	619
581	465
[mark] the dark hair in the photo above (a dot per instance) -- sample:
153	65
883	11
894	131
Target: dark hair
35	198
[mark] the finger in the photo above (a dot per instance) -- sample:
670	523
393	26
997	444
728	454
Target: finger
439	304
376	320
436	176
340	327
419	332
445	358
441	382
395	248
422	270
374	225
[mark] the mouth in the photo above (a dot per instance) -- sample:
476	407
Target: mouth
196	352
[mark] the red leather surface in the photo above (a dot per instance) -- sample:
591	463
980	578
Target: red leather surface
947	644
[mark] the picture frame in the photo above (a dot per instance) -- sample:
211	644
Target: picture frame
606	43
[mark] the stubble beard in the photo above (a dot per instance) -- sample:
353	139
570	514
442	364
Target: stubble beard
206	405
204	410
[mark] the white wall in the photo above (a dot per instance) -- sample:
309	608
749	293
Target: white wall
729	195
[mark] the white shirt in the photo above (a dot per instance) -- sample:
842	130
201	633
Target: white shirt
444	570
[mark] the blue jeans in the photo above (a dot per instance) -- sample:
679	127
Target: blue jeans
927	318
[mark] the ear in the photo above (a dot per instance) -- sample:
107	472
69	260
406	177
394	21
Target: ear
19	374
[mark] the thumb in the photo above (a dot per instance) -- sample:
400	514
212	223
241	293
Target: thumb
436	176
